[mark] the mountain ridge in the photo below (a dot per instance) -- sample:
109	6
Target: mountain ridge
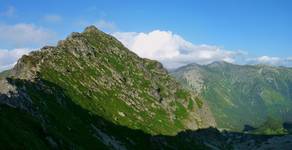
94	74
241	88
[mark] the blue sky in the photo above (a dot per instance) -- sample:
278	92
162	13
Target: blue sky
257	27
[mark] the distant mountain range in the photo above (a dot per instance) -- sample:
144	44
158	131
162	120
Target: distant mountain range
90	92
255	98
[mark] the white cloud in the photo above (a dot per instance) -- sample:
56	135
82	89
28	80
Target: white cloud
52	18
275	61
268	60
24	35
172	50
8	58
9	12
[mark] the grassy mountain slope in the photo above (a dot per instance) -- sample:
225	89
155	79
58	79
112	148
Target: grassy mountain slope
91	92
259	96
61	124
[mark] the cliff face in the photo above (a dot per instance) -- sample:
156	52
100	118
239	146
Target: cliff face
91	85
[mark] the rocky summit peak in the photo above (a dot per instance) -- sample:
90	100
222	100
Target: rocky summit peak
90	43
91	28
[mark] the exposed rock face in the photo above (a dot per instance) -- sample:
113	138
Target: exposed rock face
90	80
259	96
